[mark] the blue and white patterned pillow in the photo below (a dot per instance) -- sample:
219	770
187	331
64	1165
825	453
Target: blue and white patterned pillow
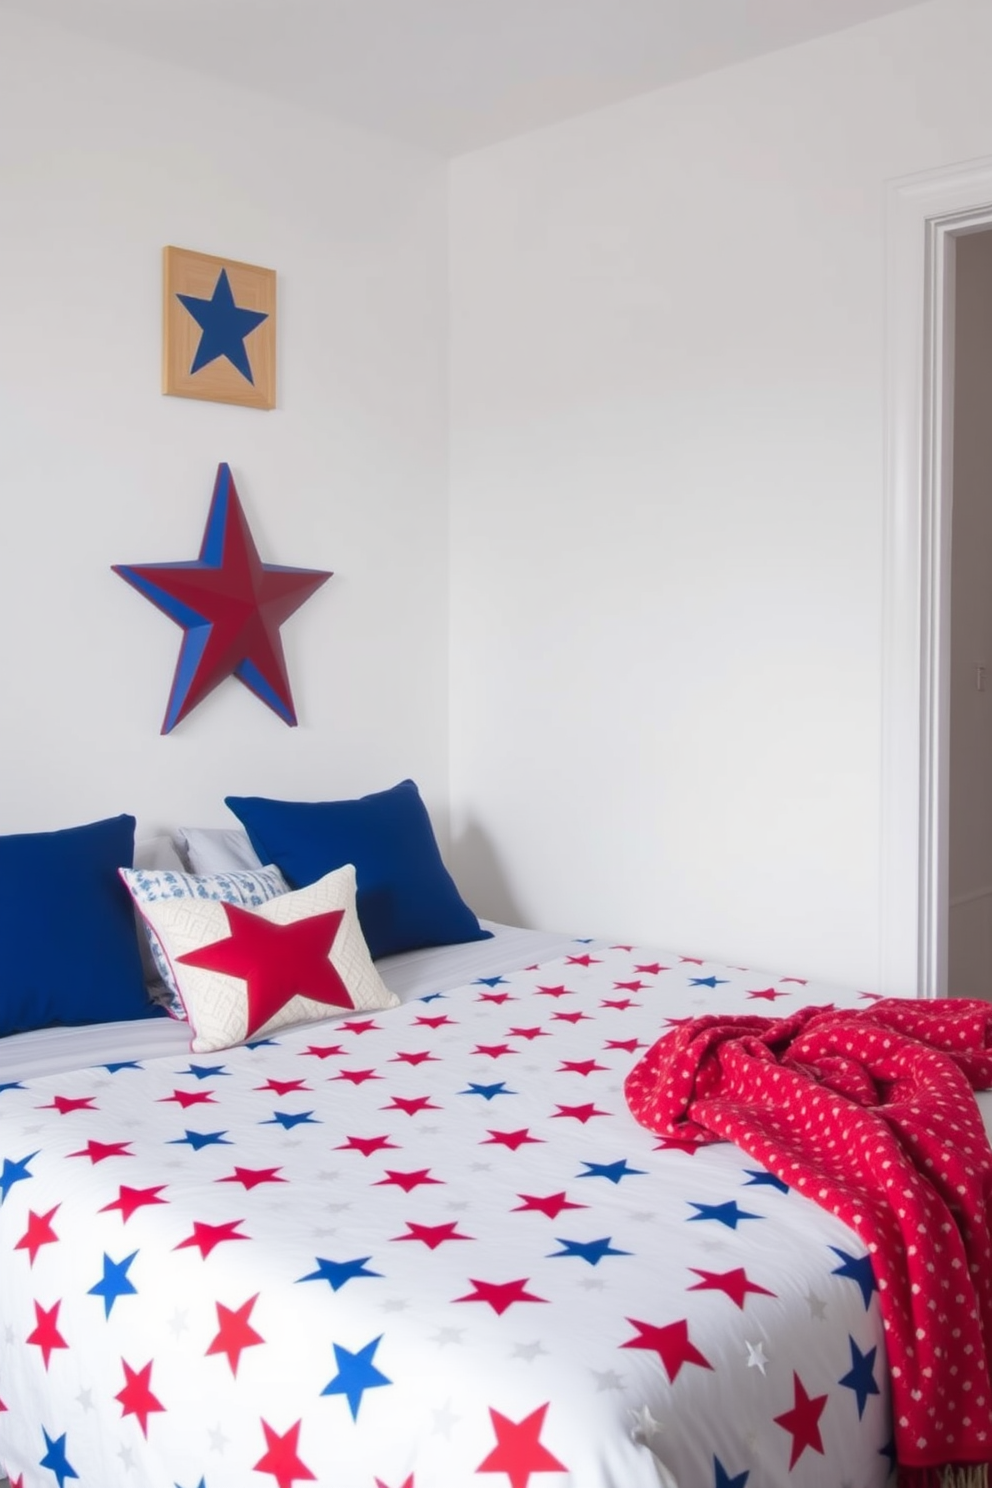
245	887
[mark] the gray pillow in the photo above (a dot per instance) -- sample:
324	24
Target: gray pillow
216	849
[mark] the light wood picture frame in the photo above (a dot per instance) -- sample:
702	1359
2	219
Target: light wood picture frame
218	329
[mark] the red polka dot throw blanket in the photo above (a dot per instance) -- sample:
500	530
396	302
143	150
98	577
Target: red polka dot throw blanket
870	1114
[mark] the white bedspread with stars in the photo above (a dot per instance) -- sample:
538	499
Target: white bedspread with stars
426	1249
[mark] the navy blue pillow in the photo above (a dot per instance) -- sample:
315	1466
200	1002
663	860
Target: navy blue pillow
68	942
406	896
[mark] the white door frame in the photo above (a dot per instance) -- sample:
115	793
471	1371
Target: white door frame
925	213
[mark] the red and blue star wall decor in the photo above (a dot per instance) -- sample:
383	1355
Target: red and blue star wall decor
219	329
230	605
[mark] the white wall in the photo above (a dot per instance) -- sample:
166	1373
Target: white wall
666	440
104	159
667	471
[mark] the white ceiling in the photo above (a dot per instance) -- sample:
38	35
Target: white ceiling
454	75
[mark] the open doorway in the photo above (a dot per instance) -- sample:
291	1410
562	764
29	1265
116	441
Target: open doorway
928	216
969	756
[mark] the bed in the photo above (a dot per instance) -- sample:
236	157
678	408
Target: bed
420	1250
423	1246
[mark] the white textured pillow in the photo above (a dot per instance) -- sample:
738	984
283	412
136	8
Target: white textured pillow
246	973
150	886
216	849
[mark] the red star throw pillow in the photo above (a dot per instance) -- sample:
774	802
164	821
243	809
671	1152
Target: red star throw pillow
245	973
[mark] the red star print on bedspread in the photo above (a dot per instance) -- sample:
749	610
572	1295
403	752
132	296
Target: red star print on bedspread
427	1248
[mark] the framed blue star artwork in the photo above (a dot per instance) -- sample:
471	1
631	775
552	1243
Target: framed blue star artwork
219	329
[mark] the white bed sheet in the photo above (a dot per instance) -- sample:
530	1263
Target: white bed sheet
412	974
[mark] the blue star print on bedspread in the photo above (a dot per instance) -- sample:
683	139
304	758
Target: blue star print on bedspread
372	1277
